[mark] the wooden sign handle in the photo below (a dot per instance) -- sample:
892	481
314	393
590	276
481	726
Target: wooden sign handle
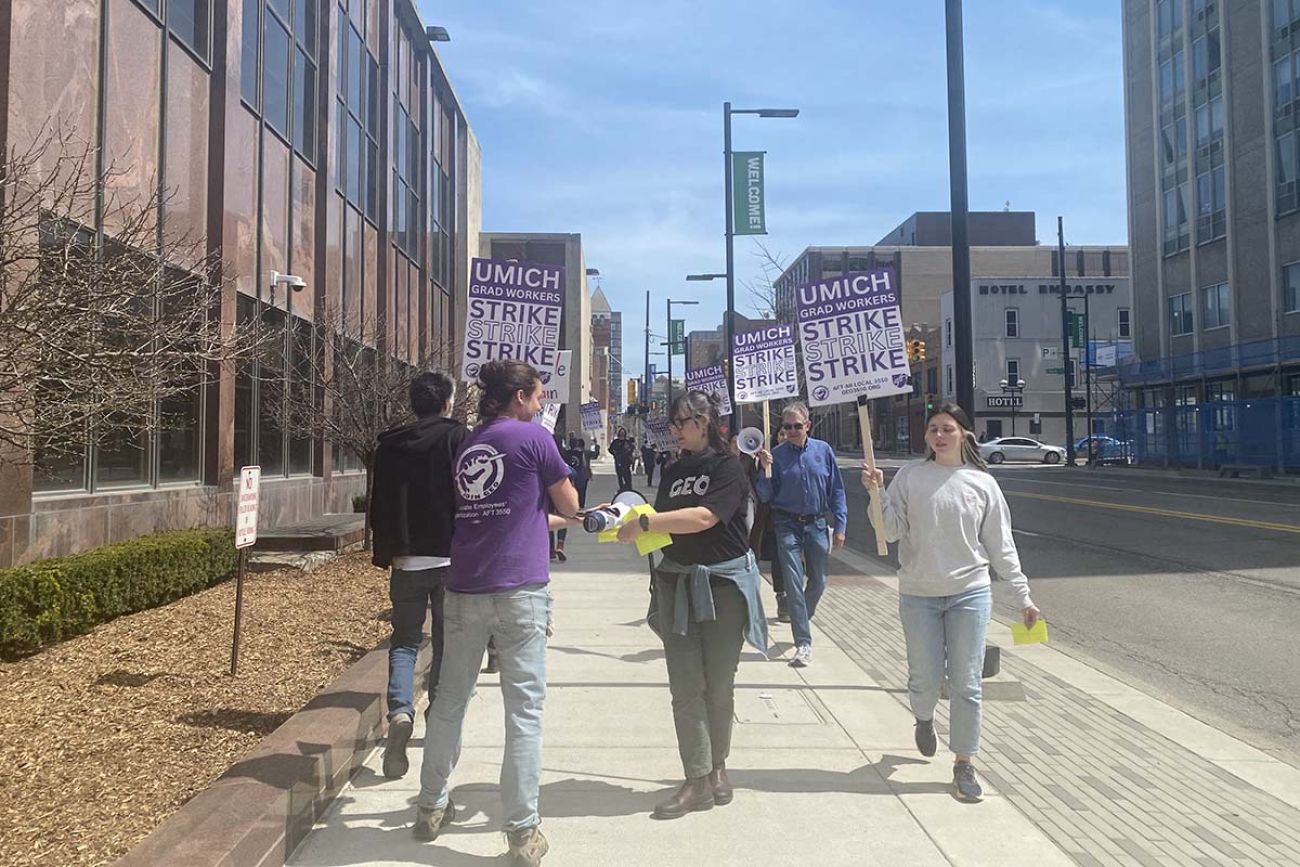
869	455
767	435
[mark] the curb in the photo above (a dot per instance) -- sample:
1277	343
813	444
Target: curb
266	803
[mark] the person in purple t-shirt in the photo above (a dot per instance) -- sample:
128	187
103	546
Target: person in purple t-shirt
511	487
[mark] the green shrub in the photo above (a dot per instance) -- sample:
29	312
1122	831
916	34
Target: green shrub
50	600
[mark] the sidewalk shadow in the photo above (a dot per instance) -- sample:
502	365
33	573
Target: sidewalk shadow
648	655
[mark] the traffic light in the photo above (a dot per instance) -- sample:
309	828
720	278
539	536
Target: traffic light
929	402
920	351
631	391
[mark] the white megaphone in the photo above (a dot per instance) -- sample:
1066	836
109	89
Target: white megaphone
749	440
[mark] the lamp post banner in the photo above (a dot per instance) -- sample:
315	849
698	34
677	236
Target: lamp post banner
514	312
555	381
590	415
677	336
710	380
851	329
748	198
766	368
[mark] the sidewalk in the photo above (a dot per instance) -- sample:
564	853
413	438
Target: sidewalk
1084	772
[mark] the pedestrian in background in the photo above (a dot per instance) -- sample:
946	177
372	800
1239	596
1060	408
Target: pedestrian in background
508	478
705	602
953	526
805	486
411	518
650	459
622	450
575	454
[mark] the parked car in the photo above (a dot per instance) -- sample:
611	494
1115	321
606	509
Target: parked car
996	451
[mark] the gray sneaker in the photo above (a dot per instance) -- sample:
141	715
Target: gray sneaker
802	656
399	732
964	784
926	743
429	821
527	847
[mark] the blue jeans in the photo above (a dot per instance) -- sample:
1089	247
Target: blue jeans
945	634
516	623
799	545
413	594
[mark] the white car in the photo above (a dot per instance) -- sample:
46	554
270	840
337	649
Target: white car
1020	449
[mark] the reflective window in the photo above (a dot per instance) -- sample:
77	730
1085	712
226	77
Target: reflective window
275	76
248	46
1216	306
1291	287
1180	314
1125	323
189	21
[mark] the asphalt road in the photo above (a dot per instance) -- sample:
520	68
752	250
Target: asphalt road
1187	588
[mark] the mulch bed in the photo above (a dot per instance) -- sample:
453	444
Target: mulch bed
106	735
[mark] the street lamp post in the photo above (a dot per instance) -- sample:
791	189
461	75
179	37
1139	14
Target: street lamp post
671	347
727	112
1013	390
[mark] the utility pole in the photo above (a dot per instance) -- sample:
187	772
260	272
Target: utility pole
964	349
1070	455
728	315
646	384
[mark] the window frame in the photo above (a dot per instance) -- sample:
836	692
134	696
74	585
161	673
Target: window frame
1180	312
1011	323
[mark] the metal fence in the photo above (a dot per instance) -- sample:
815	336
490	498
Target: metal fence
1263	432
1240	356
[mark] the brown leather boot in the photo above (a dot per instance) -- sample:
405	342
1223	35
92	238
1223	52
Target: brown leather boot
722	791
695	795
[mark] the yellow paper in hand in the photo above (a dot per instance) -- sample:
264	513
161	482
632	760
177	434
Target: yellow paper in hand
1037	635
646	543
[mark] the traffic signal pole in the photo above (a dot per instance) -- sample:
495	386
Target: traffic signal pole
1070	454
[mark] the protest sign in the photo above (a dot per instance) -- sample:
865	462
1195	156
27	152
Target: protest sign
765	364
548	415
514	312
555	382
661	439
710	380
590	415
851	330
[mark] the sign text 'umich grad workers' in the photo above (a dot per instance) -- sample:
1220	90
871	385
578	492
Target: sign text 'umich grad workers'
851	330
514	312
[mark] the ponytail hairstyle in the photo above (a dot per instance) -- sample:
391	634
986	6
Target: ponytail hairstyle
705	409
499	381
970	448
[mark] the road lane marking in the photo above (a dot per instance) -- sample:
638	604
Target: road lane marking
1167	513
1122	490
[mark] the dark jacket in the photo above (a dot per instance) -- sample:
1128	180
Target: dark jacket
413	499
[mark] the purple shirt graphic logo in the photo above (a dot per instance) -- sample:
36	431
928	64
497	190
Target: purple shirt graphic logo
479	472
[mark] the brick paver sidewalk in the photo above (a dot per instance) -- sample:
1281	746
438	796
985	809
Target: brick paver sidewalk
1104	787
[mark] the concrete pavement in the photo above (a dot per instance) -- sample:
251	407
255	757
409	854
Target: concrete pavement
1086	771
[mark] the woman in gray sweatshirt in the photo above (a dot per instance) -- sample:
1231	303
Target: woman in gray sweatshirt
953	528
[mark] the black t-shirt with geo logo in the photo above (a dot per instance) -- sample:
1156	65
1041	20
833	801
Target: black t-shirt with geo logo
716	482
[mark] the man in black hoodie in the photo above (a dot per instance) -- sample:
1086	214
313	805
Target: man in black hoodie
411	514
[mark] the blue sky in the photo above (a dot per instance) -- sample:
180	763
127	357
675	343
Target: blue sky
604	117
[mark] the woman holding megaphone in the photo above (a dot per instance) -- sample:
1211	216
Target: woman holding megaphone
705	599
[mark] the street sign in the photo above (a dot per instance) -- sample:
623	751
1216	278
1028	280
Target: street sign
1050	353
250	483
1106	355
1076	330
1059	371
1006	401
677	336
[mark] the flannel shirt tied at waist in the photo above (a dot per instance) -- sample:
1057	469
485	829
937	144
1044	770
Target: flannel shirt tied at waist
694	588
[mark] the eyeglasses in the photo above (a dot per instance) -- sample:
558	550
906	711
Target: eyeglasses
795	426
680	423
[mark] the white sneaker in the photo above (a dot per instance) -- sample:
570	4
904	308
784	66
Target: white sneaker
802	656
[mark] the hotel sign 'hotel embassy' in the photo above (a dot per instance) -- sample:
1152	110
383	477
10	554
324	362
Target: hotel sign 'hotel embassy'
1016	325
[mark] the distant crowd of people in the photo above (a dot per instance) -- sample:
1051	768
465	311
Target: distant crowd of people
479	562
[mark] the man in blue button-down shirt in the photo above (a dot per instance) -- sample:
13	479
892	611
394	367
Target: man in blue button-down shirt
804	487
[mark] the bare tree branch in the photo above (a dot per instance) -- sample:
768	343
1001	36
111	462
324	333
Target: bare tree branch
99	333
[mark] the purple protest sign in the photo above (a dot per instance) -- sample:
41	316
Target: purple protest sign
765	364
514	312
710	380
851	330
